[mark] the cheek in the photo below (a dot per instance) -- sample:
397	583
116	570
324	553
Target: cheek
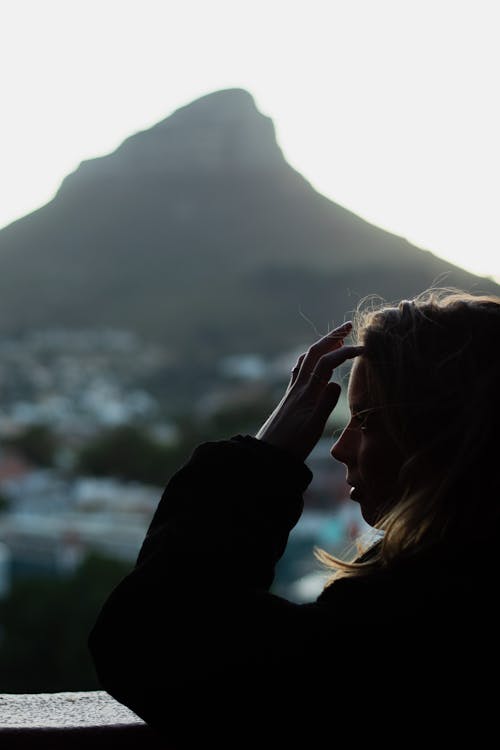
378	466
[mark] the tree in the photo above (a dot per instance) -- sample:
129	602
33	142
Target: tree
45	627
130	453
37	444
4	504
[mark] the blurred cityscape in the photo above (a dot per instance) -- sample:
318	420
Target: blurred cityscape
87	442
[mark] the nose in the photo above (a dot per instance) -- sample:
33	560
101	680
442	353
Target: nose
344	449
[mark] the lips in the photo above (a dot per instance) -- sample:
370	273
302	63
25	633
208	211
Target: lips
354	492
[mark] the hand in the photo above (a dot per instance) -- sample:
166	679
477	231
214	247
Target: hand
298	421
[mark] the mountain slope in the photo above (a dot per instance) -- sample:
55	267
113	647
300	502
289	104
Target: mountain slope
198	233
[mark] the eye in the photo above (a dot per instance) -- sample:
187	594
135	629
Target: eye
361	419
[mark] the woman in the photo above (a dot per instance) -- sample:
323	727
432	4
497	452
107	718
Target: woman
403	636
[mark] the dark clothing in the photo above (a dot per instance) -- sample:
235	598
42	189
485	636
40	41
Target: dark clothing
194	643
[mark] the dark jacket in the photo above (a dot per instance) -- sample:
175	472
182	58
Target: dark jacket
193	641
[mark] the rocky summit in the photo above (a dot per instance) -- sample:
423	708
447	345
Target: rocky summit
197	234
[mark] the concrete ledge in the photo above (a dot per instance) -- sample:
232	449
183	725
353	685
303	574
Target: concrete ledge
72	720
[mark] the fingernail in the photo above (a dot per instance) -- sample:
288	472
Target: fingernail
343	327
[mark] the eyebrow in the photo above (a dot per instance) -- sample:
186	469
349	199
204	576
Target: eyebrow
362	408
357	408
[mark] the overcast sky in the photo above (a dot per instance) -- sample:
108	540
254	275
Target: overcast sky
388	107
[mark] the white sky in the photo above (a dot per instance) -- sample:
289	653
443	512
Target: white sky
388	107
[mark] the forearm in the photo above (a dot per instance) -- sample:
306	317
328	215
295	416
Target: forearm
199	587
236	501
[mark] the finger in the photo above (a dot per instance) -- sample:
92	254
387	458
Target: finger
333	340
329	362
295	370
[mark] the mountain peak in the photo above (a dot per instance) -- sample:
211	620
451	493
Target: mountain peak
220	132
217	106
198	234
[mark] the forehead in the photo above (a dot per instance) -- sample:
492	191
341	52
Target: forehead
357	390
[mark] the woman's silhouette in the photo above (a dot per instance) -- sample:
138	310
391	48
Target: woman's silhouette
402	642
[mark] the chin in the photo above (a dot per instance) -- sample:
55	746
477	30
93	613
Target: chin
370	520
370	515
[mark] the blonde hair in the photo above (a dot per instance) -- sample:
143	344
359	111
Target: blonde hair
433	366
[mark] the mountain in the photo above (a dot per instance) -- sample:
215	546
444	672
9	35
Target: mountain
198	233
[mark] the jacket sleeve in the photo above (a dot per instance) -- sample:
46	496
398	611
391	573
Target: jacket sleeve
194	642
236	501
193	627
